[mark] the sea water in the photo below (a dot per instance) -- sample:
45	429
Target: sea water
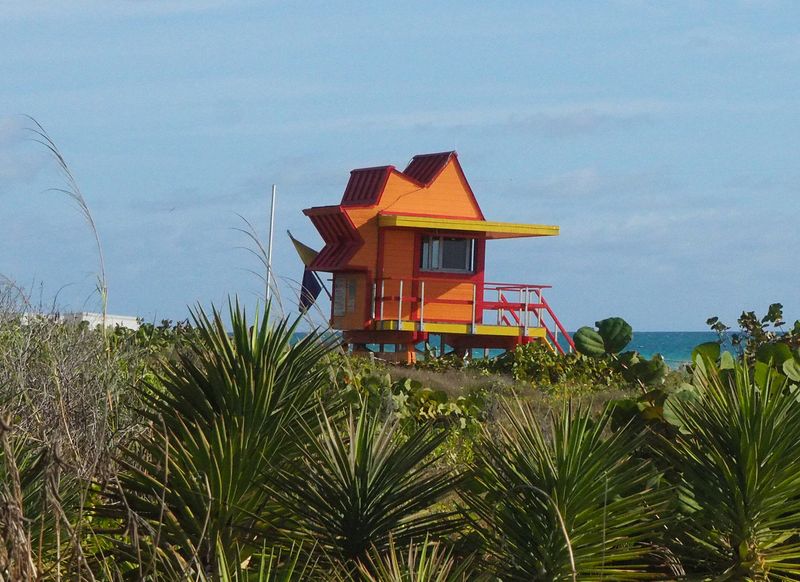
674	346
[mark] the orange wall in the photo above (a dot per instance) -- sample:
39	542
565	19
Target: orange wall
398	253
366	222
447	196
398	264
355	306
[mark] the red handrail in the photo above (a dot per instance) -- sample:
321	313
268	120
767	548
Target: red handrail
485	284
502	305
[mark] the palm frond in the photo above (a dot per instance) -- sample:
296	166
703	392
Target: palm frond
422	562
269	565
363	484
737	459
40	510
224	417
574	504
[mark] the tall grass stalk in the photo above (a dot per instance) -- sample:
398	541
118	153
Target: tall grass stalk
261	252
73	191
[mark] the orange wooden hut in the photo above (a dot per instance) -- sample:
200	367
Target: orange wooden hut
407	251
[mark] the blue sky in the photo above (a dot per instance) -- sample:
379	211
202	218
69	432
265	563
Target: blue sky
661	137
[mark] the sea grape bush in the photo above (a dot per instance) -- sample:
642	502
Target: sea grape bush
365	383
608	341
610	337
538	365
761	342
598	361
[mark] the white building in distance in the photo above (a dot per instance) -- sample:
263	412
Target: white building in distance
95	319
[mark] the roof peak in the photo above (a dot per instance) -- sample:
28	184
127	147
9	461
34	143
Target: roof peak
386	168
366	184
446	153
424	168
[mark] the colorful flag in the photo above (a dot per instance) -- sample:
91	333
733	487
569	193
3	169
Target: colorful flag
311	285
309	290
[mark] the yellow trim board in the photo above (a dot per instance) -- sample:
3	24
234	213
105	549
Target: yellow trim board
490	228
460	328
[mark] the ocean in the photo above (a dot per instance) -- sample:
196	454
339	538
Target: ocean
675	346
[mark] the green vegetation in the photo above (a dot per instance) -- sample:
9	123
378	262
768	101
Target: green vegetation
224	450
610	338
228	450
574	504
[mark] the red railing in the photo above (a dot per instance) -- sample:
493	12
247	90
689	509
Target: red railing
503	304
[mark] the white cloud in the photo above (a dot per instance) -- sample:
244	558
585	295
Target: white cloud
565	119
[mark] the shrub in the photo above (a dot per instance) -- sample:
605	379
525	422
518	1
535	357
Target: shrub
537	364
361	485
737	457
224	417
566	501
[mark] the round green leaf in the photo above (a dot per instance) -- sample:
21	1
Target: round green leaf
589	342
792	369
623	412
616	334
672	406
726	361
709	350
775	354
439	396
651	371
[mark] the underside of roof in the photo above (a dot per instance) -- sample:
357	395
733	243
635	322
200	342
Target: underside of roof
489	229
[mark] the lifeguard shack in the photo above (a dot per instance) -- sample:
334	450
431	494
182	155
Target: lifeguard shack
407	251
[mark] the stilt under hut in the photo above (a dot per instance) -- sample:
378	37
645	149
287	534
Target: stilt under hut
407	254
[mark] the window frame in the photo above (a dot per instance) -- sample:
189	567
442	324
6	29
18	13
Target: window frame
427	244
345	295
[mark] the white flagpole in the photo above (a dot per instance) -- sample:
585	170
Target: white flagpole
269	248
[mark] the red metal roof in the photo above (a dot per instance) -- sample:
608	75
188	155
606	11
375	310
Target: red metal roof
341	238
365	185
335	256
425	167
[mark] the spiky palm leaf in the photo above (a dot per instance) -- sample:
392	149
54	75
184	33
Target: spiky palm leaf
40	511
224	416
574	504
355	490
276	564
423	562
269	565
738	457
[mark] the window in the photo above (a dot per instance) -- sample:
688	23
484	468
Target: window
451	254
344	295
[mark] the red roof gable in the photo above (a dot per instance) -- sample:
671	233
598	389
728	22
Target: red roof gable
365	189
365	185
341	237
425	167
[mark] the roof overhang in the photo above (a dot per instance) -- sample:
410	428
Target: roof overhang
489	229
